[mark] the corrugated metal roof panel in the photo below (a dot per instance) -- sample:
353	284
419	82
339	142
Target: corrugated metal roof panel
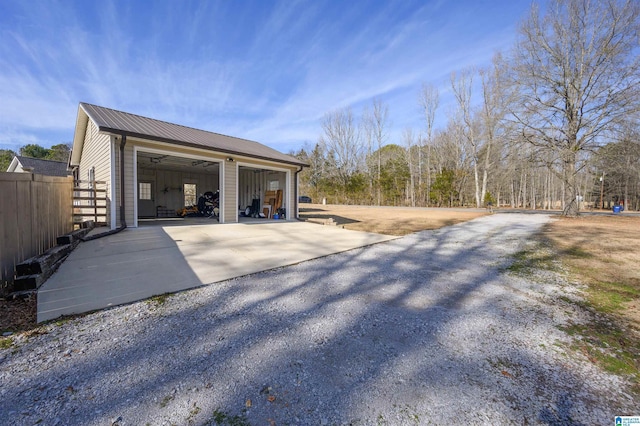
110	120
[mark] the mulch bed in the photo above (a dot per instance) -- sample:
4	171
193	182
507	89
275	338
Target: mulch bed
18	314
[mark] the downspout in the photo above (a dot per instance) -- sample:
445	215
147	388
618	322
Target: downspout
123	142
295	201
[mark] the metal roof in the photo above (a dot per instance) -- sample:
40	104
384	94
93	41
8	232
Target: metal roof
123	123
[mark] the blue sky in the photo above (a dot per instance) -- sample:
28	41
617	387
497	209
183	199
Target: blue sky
262	70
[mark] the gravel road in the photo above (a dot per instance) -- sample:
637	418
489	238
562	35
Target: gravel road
426	329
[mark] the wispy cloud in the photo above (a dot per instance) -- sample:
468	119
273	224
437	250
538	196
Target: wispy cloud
267	72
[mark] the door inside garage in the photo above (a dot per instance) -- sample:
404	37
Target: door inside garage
267	186
167	184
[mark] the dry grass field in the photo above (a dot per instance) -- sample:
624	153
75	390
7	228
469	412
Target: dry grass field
604	253
388	220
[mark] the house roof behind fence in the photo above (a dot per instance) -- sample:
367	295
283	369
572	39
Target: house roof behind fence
123	123
44	167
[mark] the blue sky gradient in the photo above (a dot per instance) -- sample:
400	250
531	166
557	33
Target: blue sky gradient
262	70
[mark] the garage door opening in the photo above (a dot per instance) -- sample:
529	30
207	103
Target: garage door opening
169	186
262	188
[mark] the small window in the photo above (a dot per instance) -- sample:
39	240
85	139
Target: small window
190	194
274	185
144	191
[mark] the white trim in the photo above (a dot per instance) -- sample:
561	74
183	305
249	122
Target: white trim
237	219
290	195
176	153
221	204
295	196
113	183
261	166
204	153
14	165
287	184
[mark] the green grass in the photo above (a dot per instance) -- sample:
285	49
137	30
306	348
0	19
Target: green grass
526	262
158	300
608	297
6	342
609	347
223	419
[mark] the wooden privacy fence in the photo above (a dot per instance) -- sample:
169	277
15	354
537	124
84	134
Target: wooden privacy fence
34	210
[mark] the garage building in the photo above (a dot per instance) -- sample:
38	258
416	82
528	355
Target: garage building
152	169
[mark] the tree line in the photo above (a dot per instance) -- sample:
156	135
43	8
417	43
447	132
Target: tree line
551	124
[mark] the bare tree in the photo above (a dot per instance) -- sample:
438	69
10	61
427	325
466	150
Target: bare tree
577	73
462	88
375	129
342	141
407	136
429	99
495	99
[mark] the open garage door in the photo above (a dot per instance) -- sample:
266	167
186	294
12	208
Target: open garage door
268	187
167	184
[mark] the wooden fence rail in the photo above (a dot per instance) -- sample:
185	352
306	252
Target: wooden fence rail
34	210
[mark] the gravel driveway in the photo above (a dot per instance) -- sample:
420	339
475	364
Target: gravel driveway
426	329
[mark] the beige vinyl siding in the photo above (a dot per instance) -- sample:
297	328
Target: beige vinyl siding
96	153
230	192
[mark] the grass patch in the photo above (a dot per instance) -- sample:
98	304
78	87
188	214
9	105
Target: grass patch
195	410
165	401
158	300
608	346
223	419
6	342
526	262
577	253
63	320
610	297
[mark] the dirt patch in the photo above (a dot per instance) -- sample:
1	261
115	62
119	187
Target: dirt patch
388	220
18	315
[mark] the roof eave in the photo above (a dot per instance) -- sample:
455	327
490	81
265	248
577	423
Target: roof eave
14	164
82	121
197	146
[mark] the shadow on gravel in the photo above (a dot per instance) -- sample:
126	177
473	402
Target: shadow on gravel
416	330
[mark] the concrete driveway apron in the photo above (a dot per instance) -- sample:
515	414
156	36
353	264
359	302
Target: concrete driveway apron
138	263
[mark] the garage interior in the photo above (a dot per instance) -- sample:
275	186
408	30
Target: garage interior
168	184
268	186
